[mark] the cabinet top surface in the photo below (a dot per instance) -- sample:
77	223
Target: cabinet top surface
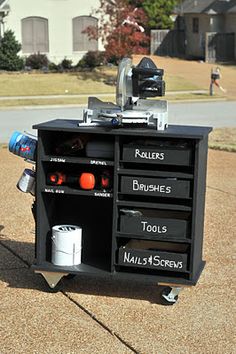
71	125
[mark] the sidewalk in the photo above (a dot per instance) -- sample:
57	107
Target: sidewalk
97	316
92	95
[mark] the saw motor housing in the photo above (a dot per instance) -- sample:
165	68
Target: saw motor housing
134	86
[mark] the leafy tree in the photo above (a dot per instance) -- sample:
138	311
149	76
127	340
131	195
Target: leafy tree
135	3
124	42
121	29
9	48
158	12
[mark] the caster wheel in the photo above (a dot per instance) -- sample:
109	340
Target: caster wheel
169	296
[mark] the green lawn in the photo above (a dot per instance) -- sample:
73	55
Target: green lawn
99	81
51	101
34	84
27	84
223	139
178	83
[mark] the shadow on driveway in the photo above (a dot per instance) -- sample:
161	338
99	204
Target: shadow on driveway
82	284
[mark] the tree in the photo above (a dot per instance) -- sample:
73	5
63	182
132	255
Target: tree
9	48
158	12
135	3
121	29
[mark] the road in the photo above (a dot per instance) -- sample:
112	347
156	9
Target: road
215	114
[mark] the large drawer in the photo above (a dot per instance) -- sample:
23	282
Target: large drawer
161	187
157	155
148	254
154	226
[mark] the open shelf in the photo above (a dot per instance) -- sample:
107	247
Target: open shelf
100	268
151	274
153	205
154	173
76	210
153	238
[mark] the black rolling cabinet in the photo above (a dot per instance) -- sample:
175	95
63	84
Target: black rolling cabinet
148	224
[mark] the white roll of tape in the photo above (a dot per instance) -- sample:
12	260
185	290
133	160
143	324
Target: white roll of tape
66	245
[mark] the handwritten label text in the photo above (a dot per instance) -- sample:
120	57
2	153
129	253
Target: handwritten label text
150	187
154	261
149	155
50	190
97	162
159	229
57	159
102	194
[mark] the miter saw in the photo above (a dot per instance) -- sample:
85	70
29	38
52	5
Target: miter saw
134	86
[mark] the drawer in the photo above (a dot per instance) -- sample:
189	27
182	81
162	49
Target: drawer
154	226
161	187
149	254
158	155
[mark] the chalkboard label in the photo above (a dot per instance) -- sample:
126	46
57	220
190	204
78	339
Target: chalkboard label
98	162
57	159
149	155
153	259
159	227
155	186
52	190
102	194
158	155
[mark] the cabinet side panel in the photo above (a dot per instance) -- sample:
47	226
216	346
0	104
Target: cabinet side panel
41	217
115	198
199	192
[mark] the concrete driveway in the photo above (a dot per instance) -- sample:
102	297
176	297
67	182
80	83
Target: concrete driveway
97	316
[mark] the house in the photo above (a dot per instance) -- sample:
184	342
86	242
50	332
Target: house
210	29
53	27
4	10
204	29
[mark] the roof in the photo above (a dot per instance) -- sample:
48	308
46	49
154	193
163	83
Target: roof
195	6
208	6
232	9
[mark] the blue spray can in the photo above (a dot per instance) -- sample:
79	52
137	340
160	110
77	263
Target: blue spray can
23	146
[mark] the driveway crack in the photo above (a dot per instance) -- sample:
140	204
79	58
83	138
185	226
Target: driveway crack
91	315
220	190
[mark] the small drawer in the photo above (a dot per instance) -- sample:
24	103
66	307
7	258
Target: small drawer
149	254
161	187
154	226
158	155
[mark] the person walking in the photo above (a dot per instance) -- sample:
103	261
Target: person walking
215	77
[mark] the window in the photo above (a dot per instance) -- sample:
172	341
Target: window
35	35
81	41
195	25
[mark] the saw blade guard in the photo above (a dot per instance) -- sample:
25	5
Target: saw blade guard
124	83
